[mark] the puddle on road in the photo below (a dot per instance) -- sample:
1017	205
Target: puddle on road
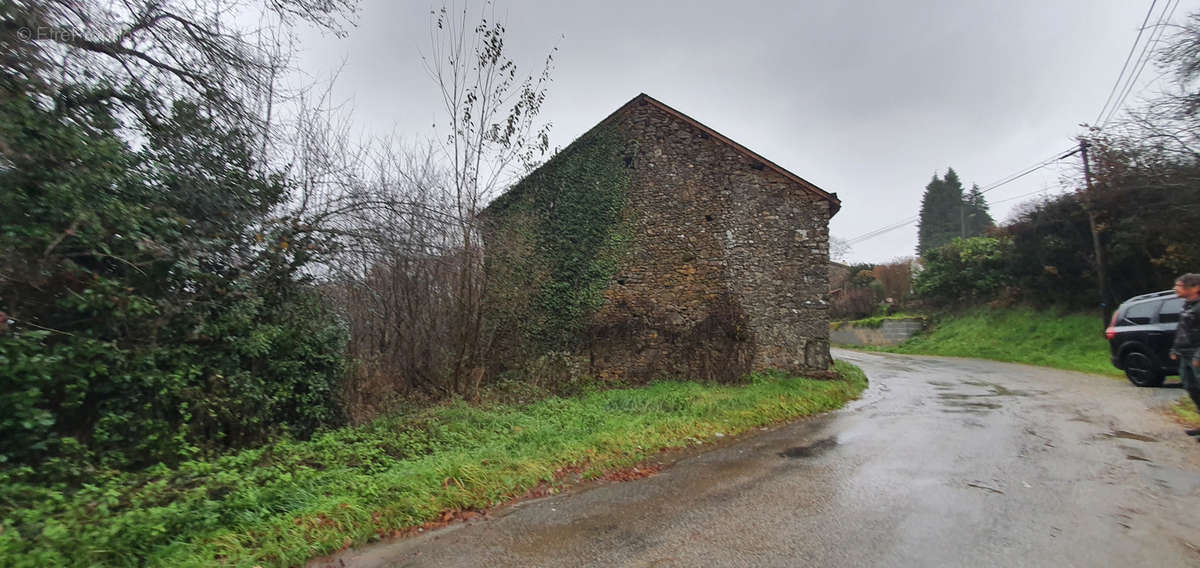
969	406
1125	435
955	401
998	390
993	388
814	449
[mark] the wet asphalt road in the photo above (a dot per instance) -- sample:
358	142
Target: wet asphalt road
943	462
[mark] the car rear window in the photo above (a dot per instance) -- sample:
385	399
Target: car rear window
1141	313
1170	310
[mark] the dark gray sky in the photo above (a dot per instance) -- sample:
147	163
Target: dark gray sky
864	98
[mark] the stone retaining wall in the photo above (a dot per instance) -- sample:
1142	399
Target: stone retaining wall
891	332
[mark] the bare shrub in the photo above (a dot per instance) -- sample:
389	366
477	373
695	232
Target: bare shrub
896	279
854	303
408	268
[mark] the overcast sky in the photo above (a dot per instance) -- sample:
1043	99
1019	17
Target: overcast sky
867	99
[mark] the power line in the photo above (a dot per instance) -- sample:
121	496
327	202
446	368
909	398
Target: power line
994	185
880	232
1016	197
1046	162
1144	57
1130	81
1128	57
885	229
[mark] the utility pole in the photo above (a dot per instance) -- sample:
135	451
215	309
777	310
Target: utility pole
1088	202
962	217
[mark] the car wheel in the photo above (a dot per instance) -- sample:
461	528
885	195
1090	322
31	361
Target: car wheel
1142	370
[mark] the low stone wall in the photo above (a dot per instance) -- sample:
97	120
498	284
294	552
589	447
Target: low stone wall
890	332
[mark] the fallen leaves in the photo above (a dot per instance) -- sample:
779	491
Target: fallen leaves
633	473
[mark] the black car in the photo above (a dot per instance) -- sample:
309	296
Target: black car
1140	337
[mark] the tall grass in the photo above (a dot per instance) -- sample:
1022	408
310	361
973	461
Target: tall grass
1022	335
283	504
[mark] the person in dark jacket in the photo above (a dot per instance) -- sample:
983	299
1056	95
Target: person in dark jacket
1186	348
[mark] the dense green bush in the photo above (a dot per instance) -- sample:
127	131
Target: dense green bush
1146	220
966	269
156	310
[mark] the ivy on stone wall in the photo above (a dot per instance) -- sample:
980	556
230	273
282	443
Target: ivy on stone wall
558	238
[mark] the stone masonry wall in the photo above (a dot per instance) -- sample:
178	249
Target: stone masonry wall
890	332
727	268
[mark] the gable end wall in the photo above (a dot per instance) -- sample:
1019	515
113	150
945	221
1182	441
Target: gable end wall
728	265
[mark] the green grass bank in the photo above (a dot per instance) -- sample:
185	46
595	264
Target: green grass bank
1185	410
283	504
1073	342
875	322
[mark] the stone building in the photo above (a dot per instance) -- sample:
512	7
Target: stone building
839	278
710	260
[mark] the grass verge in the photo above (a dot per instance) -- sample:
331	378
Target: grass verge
1073	342
285	503
1185	411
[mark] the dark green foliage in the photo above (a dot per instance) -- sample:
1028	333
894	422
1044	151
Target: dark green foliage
939	221
946	213
557	240
1148	229
1149	218
965	270
976	216
157	312
1052	255
1147	221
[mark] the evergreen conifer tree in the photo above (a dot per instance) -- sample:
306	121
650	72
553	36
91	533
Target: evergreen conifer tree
978	219
940	216
946	213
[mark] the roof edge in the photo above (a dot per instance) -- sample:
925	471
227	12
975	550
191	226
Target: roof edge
832	198
834	203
